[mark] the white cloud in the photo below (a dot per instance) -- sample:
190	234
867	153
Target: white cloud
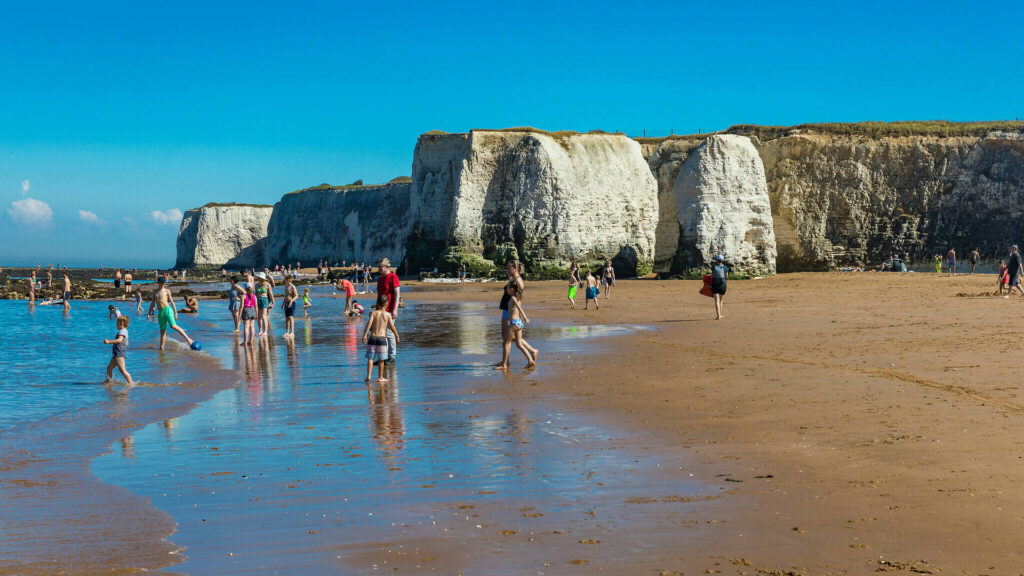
25	186
31	212
89	217
172	216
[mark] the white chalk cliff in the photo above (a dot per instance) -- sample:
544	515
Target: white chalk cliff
721	198
223	235
350	223
551	197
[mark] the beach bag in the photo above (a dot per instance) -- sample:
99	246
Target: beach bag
706	288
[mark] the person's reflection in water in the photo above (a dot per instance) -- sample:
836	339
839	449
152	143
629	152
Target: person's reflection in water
350	336
128	446
307	331
168	427
268	363
294	369
387	417
253	378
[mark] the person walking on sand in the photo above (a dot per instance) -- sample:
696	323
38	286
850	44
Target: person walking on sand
608	278
1014	269
350	290
974	257
1003	278
67	292
516	319
291	296
120	349
235	294
516	279
574	283
719	274
380	329
389	286
591	291
163	303
951	261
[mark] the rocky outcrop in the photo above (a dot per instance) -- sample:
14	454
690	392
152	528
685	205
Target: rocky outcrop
546	198
350	223
721	198
665	158
849	199
223	235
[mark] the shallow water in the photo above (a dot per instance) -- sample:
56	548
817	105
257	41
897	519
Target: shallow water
301	466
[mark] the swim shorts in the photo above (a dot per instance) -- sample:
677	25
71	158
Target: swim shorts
718	287
248	313
117	283
591	293
67	295
263	302
950	262
376	348
572	291
166	318
289	310
120	350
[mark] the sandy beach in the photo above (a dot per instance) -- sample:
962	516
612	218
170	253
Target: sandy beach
860	422
829	424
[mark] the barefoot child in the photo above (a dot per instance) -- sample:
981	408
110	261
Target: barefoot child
138	301
120	343
1004	277
306	303
163	304
113	312
356	310
249	314
591	292
375	337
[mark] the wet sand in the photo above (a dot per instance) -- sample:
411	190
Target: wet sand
862	422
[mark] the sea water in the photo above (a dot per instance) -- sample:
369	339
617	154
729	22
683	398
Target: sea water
302	456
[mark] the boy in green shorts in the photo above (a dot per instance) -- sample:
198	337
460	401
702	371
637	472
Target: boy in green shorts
163	303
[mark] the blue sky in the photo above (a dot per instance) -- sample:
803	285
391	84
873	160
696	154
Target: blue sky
110	112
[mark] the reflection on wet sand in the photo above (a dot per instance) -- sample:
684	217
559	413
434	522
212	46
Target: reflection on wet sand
387	416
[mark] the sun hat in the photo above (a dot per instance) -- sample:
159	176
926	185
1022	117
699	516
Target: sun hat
719	258
261	275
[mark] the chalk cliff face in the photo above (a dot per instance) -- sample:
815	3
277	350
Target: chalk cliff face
351	223
721	196
219	235
854	199
665	159
546	198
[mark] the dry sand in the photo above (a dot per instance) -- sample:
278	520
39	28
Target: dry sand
864	422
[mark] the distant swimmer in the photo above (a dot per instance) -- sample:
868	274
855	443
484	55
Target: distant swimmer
1014	271
163	304
719	275
951	261
974	257
120	349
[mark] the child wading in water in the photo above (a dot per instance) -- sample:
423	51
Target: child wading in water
375	337
516	319
120	343
306	303
592	292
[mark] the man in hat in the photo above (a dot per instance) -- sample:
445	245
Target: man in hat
388	285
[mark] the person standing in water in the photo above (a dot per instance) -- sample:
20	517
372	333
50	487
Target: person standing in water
120	349
350	290
163	303
608	278
516	319
264	297
389	286
591	291
67	292
974	257
515	279
719	274
235	294
291	296
462	274
31	289
380	329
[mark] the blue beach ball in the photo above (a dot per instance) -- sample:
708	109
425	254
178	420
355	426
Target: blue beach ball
196	346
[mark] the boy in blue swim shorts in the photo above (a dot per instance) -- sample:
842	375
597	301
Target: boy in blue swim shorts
591	292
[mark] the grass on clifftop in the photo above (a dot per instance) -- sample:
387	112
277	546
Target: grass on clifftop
938	128
229	204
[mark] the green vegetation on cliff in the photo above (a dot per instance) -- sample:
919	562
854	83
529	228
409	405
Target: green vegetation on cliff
230	204
938	128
